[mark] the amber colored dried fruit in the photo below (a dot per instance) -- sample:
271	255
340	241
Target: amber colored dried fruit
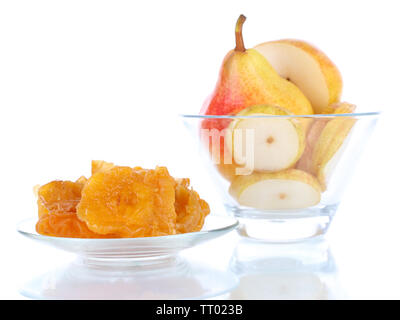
119	202
81	180
57	201
64	224
129	202
100	165
190	209
58	196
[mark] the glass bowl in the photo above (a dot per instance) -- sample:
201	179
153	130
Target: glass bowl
282	176
130	252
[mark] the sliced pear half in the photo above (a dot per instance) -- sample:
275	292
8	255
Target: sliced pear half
340	108
265	144
288	189
313	134
329	147
307	67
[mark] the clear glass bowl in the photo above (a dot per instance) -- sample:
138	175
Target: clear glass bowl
282	176
129	252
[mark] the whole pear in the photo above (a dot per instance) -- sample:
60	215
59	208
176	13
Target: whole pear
246	78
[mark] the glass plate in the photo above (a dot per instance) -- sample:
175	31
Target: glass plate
132	268
99	251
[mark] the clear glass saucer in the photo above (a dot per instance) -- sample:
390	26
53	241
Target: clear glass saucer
130	252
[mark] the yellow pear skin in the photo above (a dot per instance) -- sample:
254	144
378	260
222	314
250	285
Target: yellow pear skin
246	78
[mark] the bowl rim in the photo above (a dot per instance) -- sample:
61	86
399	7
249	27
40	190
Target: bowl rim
331	115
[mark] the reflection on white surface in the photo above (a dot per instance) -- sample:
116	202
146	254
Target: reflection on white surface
171	278
281	286
285	271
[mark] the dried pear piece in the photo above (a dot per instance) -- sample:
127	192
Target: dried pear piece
129	202
58	196
190	209
81	180
57	201
65	224
100	165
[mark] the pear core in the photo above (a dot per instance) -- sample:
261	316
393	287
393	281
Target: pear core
270	139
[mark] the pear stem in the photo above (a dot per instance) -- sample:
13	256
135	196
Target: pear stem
238	34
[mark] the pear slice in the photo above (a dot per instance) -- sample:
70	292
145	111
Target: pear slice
329	147
265	143
288	189
307	67
314	132
340	108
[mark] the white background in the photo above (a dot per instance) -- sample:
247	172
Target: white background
83	80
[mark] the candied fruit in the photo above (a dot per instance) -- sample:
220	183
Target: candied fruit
57	201
64	224
100	165
129	202
190	209
118	202
58	196
81	180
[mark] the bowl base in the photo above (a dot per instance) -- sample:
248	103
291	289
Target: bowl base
283	227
